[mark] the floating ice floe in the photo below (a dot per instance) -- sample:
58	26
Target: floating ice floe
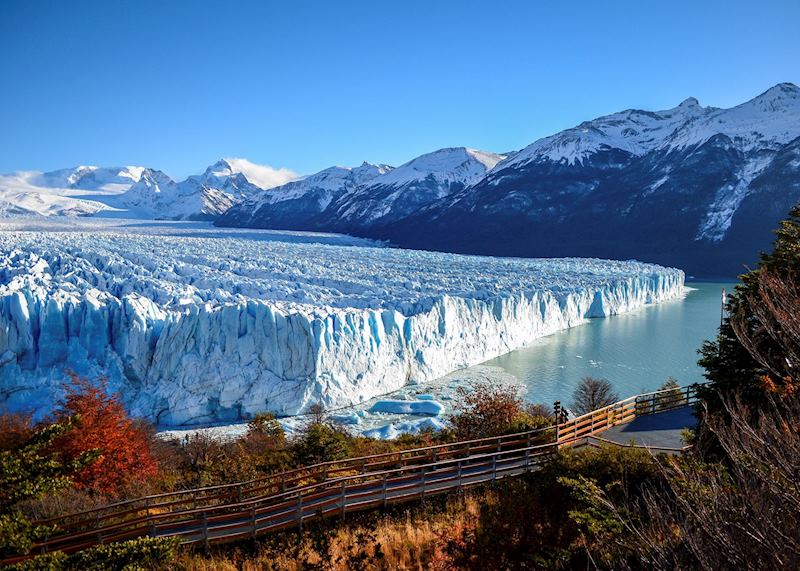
393	430
424	406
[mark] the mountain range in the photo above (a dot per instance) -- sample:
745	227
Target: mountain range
695	187
136	192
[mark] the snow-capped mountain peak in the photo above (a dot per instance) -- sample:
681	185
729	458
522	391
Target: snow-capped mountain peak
766	121
88	177
367	171
633	131
448	165
262	176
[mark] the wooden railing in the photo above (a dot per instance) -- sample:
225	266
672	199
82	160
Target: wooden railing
576	430
246	509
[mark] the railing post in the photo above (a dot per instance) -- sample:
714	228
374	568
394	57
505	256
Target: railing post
97	527
528	452
557	414
459	475
239	493
344	499
300	512
205	530
253	520
494	468
385	490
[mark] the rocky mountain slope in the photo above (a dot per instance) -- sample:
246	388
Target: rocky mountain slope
695	187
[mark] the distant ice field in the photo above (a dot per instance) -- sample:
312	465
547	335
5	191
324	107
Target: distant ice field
195	324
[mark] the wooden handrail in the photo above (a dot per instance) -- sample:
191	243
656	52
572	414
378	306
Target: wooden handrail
421	471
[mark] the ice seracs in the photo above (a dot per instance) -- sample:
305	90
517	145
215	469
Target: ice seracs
196	328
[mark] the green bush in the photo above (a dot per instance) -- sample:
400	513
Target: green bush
144	553
320	442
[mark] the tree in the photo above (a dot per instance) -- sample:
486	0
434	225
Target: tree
671	393
591	394
747	508
320	440
103	425
758	346
30	471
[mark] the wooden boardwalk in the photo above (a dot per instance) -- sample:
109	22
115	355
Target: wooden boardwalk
659	431
287	500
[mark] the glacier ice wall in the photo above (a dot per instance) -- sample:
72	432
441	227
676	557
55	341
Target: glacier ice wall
199	328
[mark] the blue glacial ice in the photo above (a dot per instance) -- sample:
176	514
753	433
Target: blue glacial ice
201	326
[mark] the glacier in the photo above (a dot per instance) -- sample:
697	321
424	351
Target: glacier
194	325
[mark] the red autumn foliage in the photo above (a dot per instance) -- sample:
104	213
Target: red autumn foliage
125	457
15	430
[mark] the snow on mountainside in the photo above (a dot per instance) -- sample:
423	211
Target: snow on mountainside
295	204
159	197
78	191
664	186
633	131
108	180
192	328
407	188
765	121
136	191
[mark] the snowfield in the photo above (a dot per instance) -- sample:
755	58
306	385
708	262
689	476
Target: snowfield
197	325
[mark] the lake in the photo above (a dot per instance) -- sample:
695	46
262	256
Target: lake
636	351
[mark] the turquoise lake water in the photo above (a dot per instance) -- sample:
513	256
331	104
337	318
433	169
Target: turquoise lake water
636	351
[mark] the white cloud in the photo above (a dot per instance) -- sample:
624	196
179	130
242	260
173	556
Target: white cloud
262	175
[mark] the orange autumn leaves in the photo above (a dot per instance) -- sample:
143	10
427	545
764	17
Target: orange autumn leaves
123	445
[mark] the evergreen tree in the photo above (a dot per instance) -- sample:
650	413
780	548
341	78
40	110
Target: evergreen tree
730	364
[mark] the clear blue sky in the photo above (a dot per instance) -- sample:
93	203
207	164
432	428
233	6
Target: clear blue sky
304	85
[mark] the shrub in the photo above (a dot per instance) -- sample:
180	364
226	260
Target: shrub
320	442
537	521
490	410
144	553
15	430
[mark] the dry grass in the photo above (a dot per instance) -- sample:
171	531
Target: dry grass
407	541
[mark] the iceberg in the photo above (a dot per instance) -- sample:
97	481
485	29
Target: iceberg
423	406
395	429
196	326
